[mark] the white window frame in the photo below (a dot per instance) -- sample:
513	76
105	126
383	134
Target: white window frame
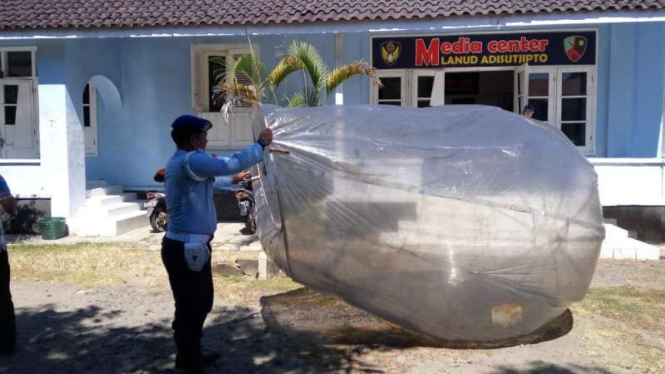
3	59
93	128
33	131
35	103
551	87
405	96
417	73
199	56
589	148
223	136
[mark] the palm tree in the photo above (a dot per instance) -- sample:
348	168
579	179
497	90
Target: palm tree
246	80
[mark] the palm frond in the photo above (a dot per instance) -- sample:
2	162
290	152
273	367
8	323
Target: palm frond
242	95
296	100
310	57
286	66
250	69
341	74
222	72
242	81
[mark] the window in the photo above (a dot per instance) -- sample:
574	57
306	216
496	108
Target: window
208	68
393	91
17	62
564	96
10	103
422	92
216	70
539	95
86	106
18	119
19	130
89	120
541	92
574	102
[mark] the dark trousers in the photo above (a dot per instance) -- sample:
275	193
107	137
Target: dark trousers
193	294
7	318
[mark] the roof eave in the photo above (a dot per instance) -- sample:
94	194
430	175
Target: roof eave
429	25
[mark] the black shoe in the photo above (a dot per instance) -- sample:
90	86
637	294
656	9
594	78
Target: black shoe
206	359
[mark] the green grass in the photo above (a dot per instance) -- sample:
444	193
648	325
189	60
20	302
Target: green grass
86	264
92	264
238	289
630	333
641	308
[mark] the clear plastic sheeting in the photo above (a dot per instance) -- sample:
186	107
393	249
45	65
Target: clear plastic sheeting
459	222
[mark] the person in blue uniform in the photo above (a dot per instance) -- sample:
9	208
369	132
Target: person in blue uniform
190	177
7	317
529	111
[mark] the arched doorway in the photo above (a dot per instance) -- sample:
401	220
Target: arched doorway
97	86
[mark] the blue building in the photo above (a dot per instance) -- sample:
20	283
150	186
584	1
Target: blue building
88	93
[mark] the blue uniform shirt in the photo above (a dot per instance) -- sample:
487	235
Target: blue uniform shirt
5	193
189	186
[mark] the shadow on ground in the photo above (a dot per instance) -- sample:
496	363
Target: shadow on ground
92	340
542	368
304	310
89	341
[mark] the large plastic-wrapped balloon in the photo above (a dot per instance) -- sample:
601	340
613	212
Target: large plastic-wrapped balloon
459	222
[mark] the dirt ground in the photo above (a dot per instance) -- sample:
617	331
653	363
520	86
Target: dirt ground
114	317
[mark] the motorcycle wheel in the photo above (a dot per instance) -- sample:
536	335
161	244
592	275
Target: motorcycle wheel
159	219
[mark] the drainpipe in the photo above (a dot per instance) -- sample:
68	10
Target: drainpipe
339	49
662	135
661	151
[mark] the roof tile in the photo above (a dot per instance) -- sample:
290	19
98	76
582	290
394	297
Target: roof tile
63	14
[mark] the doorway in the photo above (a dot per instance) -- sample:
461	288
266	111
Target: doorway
493	88
453	87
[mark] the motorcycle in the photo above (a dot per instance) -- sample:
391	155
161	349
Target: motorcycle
246	205
156	206
158	214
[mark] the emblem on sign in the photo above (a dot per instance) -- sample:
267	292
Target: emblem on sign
575	46
390	52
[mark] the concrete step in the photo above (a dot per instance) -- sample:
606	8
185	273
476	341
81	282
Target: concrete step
105	191
628	249
131	222
114	226
110	210
122	209
615	232
100	201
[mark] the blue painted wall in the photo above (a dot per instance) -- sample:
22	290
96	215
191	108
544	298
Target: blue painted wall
634	97
647	76
153	78
630	90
